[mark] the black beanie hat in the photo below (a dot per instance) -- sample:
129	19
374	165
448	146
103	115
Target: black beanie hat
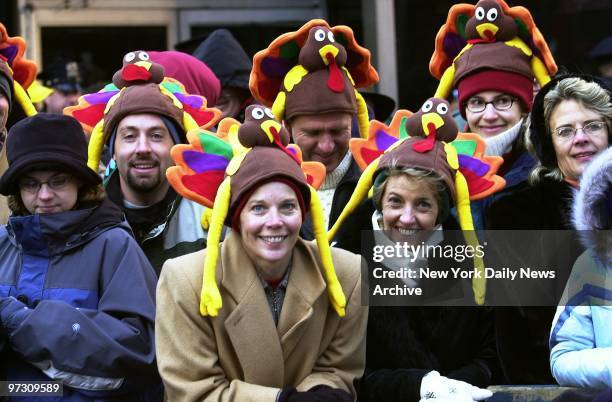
46	139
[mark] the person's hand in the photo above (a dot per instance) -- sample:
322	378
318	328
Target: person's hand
319	393
437	388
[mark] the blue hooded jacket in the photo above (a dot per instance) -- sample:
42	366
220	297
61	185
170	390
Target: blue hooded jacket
77	305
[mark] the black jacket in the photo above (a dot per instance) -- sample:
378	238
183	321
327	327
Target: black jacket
522	332
151	225
406	342
544	206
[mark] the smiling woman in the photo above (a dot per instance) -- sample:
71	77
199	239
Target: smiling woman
269	226
569	124
267	296
417	344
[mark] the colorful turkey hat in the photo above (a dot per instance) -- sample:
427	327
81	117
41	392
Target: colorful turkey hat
489	35
19	72
138	87
218	169
429	140
314	70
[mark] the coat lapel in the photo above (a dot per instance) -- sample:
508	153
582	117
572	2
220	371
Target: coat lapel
250	326
305	286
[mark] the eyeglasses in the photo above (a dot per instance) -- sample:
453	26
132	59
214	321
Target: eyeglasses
477	105
55	183
566	133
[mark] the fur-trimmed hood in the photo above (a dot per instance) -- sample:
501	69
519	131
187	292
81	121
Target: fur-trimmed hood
590	211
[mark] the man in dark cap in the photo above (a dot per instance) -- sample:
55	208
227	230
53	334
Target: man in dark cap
65	80
230	63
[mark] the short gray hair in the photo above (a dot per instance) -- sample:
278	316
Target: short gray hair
590	95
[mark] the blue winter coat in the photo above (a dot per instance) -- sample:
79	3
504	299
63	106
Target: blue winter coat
581	335
77	305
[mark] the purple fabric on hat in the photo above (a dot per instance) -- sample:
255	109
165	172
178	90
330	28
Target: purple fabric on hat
384	140
194	74
99	97
204	162
453	44
275	66
353	58
476	166
9	52
195	102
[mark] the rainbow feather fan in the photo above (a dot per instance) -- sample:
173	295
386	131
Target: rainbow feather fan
272	64
202	163
200	166
91	107
12	51
479	169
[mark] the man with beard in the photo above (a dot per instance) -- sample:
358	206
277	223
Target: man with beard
139	126
164	224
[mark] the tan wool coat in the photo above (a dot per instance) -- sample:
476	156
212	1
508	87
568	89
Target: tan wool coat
241	355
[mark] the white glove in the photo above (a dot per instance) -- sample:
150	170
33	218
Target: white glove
437	388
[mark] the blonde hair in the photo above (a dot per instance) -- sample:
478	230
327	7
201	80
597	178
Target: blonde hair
431	178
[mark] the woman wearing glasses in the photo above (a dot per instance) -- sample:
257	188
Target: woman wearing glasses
494	103
77	295
571	122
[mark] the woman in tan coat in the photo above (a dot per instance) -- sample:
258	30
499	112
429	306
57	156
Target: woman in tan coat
266	329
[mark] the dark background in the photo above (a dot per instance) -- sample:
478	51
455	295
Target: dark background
571	27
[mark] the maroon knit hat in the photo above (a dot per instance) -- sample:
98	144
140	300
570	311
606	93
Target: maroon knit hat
194	74
514	84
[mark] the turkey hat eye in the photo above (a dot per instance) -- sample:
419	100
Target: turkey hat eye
269	113
492	15
257	113
427	106
480	13
330	36
319	35
143	56
442	108
129	57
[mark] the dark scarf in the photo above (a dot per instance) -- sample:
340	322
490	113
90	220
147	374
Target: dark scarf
142	220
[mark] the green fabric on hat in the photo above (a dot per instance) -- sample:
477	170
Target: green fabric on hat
213	145
289	50
464	147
